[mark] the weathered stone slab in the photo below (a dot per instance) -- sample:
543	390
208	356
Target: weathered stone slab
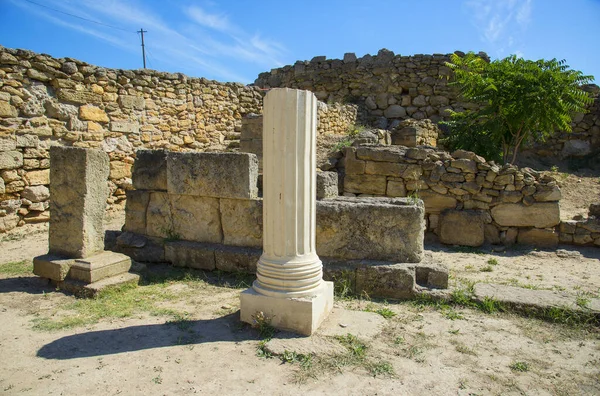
159	219
79	97
150	170
435	203
36	193
327	185
431	275
190	254
140	247
538	237
6	110
92	113
236	258
124	127
390	229
461	227
386	280
79	191
219	175
8	144
196	218
539	215
39	177
135	211
11	160
99	266
242	221
132	102
384	154
52	267
365	184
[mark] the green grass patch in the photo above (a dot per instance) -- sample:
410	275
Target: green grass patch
14	268
519	366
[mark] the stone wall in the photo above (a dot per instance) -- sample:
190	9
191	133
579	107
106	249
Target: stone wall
468	200
392	88
201	210
46	101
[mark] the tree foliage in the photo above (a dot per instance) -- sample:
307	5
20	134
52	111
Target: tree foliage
519	101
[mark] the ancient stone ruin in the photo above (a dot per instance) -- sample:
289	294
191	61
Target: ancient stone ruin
76	259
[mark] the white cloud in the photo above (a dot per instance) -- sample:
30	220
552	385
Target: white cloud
500	21
199	41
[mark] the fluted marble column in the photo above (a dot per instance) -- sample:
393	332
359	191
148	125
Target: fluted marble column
289	267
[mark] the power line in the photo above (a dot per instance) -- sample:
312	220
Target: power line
142	31
79	17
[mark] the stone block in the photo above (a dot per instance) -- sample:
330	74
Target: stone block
381	154
242	221
79	97
36	193
300	315
538	237
92	113
391	229
365	184
190	254
435	203
196	218
219	175
159	219
594	210
396	189
384	168
461	227
135	211
8	144
39	177
99	266
539	215
327	185
124	127
150	170
236	258
27	141
140	248
432	275
79	191
547	194
7	111
119	170
11	159
384	280
52	267
568	226
491	234
132	102
9	222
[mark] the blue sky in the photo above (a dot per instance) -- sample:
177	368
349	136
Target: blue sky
237	40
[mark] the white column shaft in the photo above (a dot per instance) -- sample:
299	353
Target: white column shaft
289	264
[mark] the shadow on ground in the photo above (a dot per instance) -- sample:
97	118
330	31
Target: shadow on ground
26	284
137	338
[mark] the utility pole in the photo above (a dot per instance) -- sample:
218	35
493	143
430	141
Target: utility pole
142	31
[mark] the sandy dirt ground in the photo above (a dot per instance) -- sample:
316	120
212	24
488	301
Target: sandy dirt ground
197	345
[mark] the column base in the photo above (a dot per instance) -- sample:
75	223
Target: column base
299	315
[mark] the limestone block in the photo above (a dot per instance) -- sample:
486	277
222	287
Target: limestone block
594	210
365	184
135	211
390	229
465	165
568	226
236	259
92	113
52	267
220	175
7	144
547	194
395	111
384	168
132	102
7	111
150	170
159	219
196	218
386	280
576	148
99	266
435	203
79	191
461	227
327	185
582	239
381	154
27	141
539	215
36	193
9	222
124	127
79	97
396	189
491	234
140	248
11	159
120	170
190	254
242	221
2	186
538	237
433	275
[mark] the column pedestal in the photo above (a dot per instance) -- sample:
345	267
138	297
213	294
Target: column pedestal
289	289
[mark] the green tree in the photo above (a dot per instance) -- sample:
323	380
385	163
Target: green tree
519	101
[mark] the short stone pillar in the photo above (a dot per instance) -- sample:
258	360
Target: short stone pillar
76	260
289	289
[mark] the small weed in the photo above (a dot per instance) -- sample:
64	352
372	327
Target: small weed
171	235
490	305
381	368
492	261
519	366
554	168
582	302
157	380
487	268
465	350
357	348
386	313
399	340
262	351
453	315
343	285
262	322
454	331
